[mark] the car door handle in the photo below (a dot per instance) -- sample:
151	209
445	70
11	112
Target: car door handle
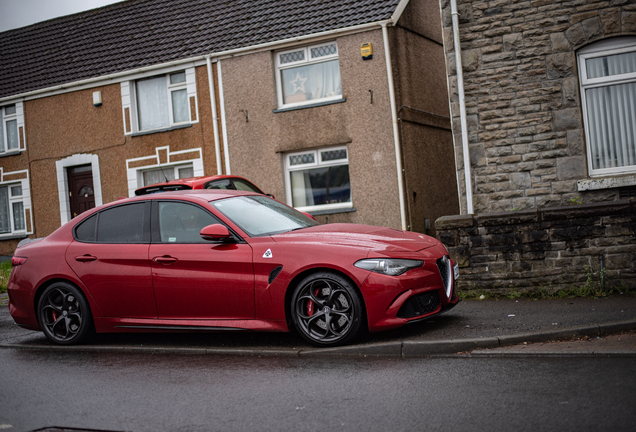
165	259
85	258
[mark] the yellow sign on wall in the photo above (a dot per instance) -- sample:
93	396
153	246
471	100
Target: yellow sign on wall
367	51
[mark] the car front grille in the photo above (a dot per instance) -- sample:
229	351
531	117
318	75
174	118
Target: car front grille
446	272
420	304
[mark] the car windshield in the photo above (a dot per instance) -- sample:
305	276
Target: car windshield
261	216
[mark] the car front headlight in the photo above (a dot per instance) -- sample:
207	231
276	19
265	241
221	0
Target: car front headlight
388	266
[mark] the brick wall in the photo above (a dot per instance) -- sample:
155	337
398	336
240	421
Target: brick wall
526	136
547	248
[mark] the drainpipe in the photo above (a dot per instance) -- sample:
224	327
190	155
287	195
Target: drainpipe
215	120
396	131
462	107
223	122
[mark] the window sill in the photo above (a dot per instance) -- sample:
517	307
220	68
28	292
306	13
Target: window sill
10	153
606	182
314	105
332	211
171	128
12	236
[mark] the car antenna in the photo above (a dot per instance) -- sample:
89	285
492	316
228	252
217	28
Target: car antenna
164	174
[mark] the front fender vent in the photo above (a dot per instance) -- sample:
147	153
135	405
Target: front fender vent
419	304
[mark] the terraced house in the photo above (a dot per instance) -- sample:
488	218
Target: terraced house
337	108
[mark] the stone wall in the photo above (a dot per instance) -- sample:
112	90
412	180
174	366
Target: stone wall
526	136
550	248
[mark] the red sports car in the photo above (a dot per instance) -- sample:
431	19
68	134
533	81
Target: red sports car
224	260
231	182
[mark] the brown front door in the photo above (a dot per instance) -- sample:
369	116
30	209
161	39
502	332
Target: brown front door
80	188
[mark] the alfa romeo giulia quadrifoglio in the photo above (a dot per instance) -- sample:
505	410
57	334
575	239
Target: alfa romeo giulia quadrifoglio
224	260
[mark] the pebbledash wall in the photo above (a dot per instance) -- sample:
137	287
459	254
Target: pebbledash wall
551	248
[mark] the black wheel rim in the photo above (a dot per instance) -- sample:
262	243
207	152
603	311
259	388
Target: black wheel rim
325	311
61	314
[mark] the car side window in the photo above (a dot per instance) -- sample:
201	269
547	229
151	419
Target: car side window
219	184
245	186
182	223
122	224
86	231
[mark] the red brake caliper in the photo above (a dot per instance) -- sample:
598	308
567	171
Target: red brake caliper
310	305
54	316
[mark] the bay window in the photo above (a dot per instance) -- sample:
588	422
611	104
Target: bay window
308	75
318	179
608	90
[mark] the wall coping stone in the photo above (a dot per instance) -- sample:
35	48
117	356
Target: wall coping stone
455	221
536	215
508	217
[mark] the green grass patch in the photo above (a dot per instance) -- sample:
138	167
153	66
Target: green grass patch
5	272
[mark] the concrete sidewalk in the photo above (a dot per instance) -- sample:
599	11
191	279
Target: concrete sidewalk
479	328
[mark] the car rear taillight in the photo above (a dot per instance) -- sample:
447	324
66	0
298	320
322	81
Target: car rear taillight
16	261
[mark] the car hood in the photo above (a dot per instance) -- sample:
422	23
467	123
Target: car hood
363	236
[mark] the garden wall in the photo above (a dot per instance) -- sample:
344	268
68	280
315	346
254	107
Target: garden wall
551	248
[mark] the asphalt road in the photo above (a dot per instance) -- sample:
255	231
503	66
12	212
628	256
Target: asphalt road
159	392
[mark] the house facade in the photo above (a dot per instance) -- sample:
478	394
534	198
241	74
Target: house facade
338	110
543	110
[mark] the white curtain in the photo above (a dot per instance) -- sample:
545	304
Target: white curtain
12	135
315	81
302	193
158	175
611	65
180	106
18	216
152	103
5	221
611	112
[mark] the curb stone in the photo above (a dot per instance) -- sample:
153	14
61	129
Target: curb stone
384	349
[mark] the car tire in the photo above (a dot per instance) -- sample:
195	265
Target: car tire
327	310
64	314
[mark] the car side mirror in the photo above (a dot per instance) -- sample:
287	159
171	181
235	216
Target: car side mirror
215	232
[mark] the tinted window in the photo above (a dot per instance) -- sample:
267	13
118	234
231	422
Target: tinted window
182	223
86	230
219	184
122	224
245	186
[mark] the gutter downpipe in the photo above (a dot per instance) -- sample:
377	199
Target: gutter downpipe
396	132
215	120
462	107
223	122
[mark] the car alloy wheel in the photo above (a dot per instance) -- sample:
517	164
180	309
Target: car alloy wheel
326	309
64	314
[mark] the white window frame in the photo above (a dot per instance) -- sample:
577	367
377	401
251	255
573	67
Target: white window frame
307	61
24	198
603	49
185	85
175	167
5	118
317	163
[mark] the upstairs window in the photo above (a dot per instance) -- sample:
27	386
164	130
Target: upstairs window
318	179
9	139
162	101
608	89
308	75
